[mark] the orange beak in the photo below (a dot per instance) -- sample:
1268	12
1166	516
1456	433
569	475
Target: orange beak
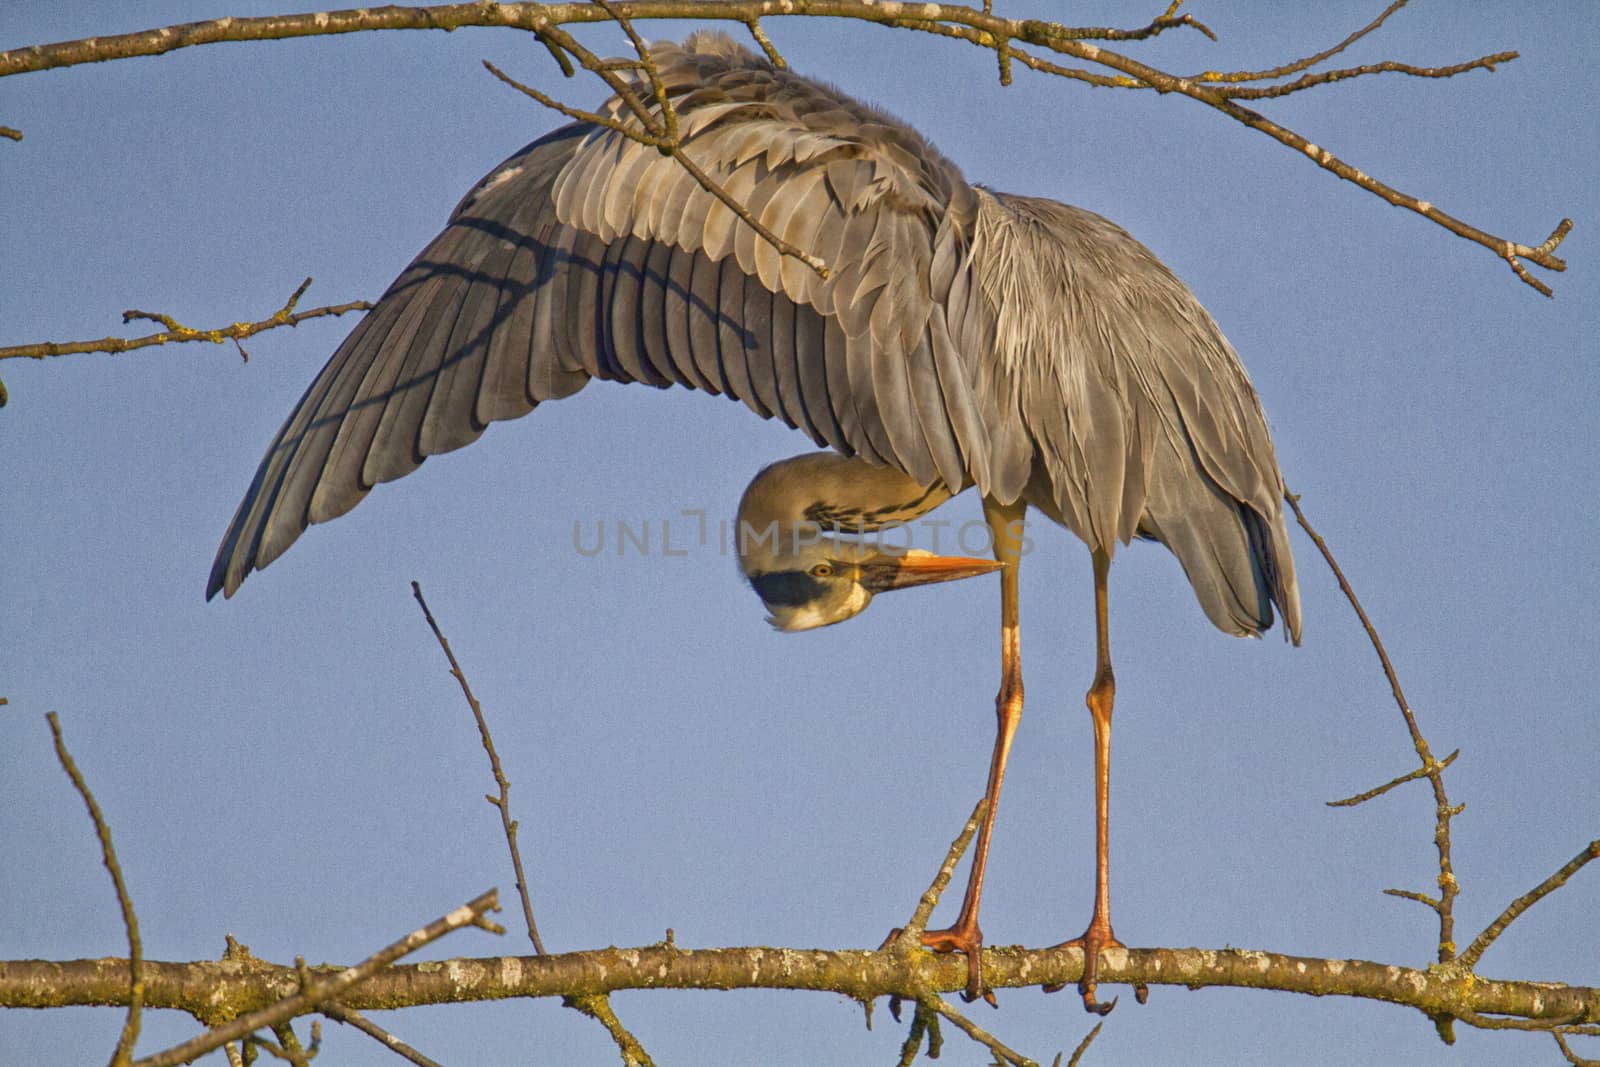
882	573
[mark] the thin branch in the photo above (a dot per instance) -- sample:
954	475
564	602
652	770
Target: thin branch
664	121
1083	1046
10	134
988	30
911	934
469	914
503	801
1059	39
1540	1026
1003	1053
1420	898
1432	768
1309	61
924	1024
662	134
176	332
1421	772
608	69
760	37
341	1014
987	40
1330	77
130	921
1512	252
1572	1057
1481	943
576	114
596	1006
740	210
1157	26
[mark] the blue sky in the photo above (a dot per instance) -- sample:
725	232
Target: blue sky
295	767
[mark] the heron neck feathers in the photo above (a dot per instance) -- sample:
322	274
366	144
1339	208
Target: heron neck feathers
804	498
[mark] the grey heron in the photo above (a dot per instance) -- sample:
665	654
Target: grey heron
963	338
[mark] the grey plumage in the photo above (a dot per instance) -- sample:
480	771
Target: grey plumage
965	337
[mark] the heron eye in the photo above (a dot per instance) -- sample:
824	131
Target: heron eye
822	570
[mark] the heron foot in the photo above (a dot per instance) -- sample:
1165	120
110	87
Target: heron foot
1097	937
966	939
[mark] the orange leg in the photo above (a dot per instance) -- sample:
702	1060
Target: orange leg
1005	527
1101	696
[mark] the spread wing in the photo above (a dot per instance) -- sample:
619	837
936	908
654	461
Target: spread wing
589	255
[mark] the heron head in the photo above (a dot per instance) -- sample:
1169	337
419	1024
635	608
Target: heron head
829	582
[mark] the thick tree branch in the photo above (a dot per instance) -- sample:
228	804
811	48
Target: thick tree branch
198	988
979	26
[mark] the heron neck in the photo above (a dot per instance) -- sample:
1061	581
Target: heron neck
797	502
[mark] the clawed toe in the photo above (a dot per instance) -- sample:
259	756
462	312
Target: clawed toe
966	940
1094	939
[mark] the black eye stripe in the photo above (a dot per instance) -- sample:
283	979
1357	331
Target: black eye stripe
787	588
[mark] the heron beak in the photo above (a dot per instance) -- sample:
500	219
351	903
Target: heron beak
882	573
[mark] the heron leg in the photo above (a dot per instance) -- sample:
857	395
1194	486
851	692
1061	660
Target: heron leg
1100	698
1005	528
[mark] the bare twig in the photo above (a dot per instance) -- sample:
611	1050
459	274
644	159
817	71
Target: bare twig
596	1006
1572	1057
924	1024
503	801
339	1013
1420	772
740	210
576	114
1481	943
1083	1046
130	921
910	934
1432	768
1003	1053
761	38
175	332
469	914
1532	1026
288	1047
1420	898
998	33
658	129
10	134
1330	77
668	116
984	39
1309	61
1157	26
